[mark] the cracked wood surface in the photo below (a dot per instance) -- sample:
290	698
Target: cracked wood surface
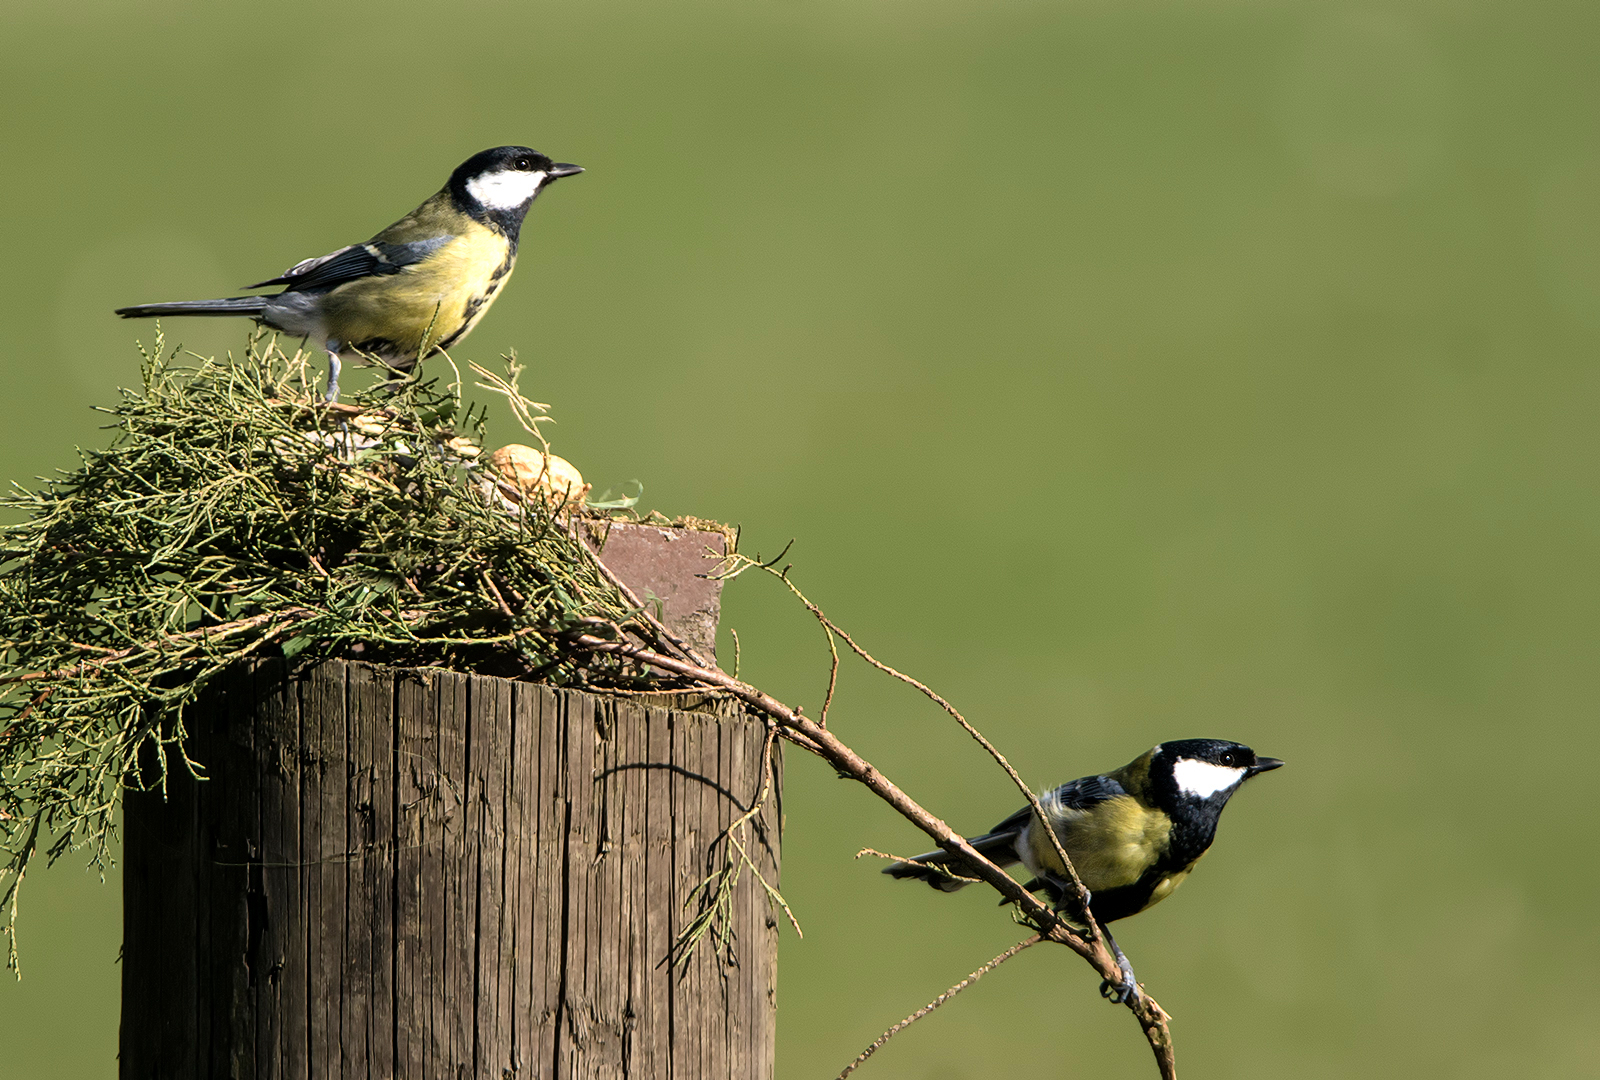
423	874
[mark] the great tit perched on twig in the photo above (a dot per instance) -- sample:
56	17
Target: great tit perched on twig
1133	835
417	287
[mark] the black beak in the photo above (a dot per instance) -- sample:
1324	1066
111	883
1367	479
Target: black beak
556	172
1265	764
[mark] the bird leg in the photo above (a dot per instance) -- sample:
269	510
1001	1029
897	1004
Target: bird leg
1059	891
1128	989
333	370
1058	887
1120	992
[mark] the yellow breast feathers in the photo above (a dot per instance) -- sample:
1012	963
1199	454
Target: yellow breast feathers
440	298
1124	840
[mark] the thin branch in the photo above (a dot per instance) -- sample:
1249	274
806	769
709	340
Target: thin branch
682	691
833	674
888	856
506	386
823	743
937	868
505	608
936	1002
1080	894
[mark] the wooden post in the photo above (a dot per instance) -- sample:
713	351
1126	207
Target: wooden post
423	874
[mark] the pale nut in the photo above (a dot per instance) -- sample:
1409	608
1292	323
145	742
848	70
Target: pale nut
538	475
368	424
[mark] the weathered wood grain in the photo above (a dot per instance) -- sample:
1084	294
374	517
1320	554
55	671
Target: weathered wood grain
323	853
656	1014
416	789
527	949
420	875
550	878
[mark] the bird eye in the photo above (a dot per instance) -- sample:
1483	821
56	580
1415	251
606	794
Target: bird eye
1230	759
525	164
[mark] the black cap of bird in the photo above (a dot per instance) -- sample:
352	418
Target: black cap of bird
417	287
1133	835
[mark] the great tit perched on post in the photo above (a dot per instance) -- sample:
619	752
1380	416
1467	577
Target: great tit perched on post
417	287
1133	835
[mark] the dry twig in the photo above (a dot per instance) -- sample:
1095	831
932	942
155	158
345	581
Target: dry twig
804	731
793	725
936	1002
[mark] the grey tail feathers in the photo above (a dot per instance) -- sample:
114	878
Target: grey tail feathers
237	305
937	867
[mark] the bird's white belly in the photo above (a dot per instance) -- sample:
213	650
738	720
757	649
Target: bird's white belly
296	314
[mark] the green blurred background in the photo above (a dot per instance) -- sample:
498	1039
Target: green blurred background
1131	371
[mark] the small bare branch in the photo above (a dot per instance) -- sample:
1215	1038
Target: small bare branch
936	868
936	1002
820	741
1080	894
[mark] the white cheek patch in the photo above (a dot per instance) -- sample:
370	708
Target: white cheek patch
1203	779
506	189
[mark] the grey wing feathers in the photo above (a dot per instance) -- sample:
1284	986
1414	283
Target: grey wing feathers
1079	794
1084	792
350	263
999	844
304	267
1015	823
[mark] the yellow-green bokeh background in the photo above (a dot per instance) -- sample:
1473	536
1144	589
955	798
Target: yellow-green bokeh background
1130	370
